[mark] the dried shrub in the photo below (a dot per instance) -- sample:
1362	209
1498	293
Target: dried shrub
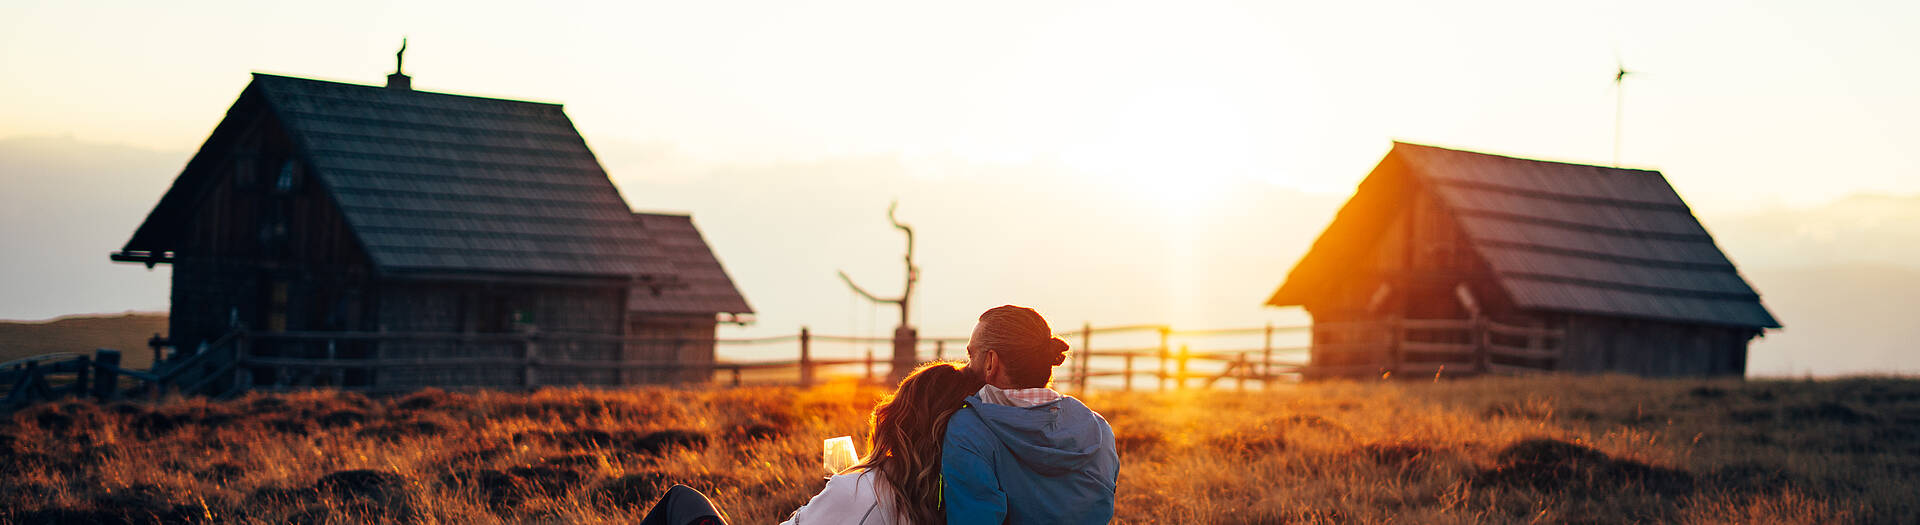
498	489
503	490
630	491
289	425
346	512
422	400
77	516
548	481
342	418
1555	466
267	404
660	442
124	408
363	483
50	419
418	426
275	495
153	425
221	472
752	432
572	460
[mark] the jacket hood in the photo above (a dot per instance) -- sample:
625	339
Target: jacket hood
1050	439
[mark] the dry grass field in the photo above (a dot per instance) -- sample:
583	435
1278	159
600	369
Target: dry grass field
1531	450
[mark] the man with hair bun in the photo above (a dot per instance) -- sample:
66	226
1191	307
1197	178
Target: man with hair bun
1019	452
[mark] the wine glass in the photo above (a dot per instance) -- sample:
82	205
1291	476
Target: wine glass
837	454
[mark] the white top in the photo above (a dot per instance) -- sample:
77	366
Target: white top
848	498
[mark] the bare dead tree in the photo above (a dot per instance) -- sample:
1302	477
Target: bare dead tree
904	301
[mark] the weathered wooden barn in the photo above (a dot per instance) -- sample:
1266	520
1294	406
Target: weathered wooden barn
1456	262
386	238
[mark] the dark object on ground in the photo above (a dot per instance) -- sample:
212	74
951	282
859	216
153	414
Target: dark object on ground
364	483
341	418
660	442
631	490
683	506
1552	465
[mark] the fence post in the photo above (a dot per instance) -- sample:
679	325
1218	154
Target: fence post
23	388
806	357
1480	343
939	350
736	375
530	353
869	365
1085	356
1241	384
1163	357
906	353
1129	372
333	353
80	380
1266	359
1394	335
1183	366
106	384
243	376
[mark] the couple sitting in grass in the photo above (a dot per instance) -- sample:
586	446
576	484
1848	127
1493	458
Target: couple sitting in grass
985	443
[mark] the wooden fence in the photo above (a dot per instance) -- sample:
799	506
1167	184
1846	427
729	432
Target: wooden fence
54	376
539	352
531	360
1432	347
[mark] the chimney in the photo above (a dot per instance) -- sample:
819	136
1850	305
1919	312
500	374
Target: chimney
398	80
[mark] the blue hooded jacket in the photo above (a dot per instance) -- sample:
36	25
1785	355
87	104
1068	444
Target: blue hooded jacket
1049	463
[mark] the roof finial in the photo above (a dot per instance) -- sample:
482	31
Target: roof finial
399	80
1619	101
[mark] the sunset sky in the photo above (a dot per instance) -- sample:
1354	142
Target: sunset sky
1103	161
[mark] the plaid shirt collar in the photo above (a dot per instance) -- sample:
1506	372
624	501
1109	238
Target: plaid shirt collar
1020	397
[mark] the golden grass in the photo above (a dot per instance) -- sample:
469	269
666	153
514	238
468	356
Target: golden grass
1546	450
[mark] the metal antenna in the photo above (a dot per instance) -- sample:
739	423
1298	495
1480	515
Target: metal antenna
1619	103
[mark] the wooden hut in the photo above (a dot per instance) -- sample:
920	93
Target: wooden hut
1455	262
380	237
677	324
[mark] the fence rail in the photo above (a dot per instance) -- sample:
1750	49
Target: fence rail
1435	347
224	366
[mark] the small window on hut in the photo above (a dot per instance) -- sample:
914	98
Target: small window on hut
522	319
288	179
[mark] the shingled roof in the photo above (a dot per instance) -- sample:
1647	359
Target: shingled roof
435	182
1563	237
704	288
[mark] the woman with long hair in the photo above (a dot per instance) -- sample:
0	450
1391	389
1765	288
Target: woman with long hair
899	480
